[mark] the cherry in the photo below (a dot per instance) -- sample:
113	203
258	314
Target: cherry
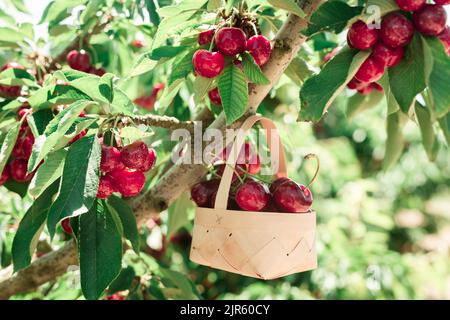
445	39
201	193
366	90
97	71
149	161
247	160
157	88
128	183
410	5
19	170
355	84
137	43
442	2
135	155
23	147
371	70
259	47
106	187
396	30
252	196
78	136
65	224
278	182
206	37
230	41
377	86
22	112
79	60
291	197
110	159
387	56
146	102
6	174
430	20
214	96
208	64
12	65
361	37
115	296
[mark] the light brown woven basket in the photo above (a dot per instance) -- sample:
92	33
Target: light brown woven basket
265	245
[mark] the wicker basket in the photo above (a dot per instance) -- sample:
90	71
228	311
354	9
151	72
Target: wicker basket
265	245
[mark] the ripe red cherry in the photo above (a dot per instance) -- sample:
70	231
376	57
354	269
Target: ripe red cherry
137	43
214	96
6	174
146	102
371	70
366	90
149	161
291	197
355	84
230	41
97	71
410	5
247	160
202	192
276	183
206	37
115	296
19	170
106	187
65	224
388	56
23	147
157	88
135	155
79	60
361	37
128	183
259	47
110	159
442	2
208	64
430	20
396	30
445	39
252	196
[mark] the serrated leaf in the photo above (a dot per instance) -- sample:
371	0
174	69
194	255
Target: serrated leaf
429	141
127	219
395	140
179	213
39	120
252	70
30	227
288	5
182	66
299	70
201	87
100	250
105	86
143	65
8	145
168	95
358	102
233	91
80	180
380	7
167	52
319	91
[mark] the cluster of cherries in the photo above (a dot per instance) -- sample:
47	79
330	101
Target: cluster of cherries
228	42
396	32
81	61
10	92
148	102
249	194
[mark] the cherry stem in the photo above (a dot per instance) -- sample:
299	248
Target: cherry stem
255	30
313	156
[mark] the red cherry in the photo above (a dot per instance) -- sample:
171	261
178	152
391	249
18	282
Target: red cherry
128	183
291	197
137	43
430	20
23	147
157	88
214	96
106	187
230	41
410	5
206	37
208	64
387	56
276	183
259	47
19	170
377	86
135	155
201	193
115	296
370	71
65	224
445	39
252	196
149	161
110	159
79	60
146	102
6	174
78	136
396	30
442	2
97	71
12	65
355	84
247	160
365	90
361	37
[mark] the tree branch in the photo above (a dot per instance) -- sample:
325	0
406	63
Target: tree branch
180	176
152	120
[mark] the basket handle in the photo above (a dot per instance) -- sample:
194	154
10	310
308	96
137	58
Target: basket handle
277	156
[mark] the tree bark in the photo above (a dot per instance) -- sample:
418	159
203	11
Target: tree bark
179	177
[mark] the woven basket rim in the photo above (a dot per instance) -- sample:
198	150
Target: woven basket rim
310	212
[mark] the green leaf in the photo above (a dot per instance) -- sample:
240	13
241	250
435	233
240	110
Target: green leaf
395	140
30	228
298	70
180	213
20	5
408	78
182	66
8	145
288	5
429	141
201	87
151	8
252	70
392	104
319	91
181	282
7	18
18	187
100	250
143	65
331	16
444	123
80	180
380	7
127	219
167	52
10	35
123	281
39	120
105	86
168	95
92	7
358	102
50	171
234	92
